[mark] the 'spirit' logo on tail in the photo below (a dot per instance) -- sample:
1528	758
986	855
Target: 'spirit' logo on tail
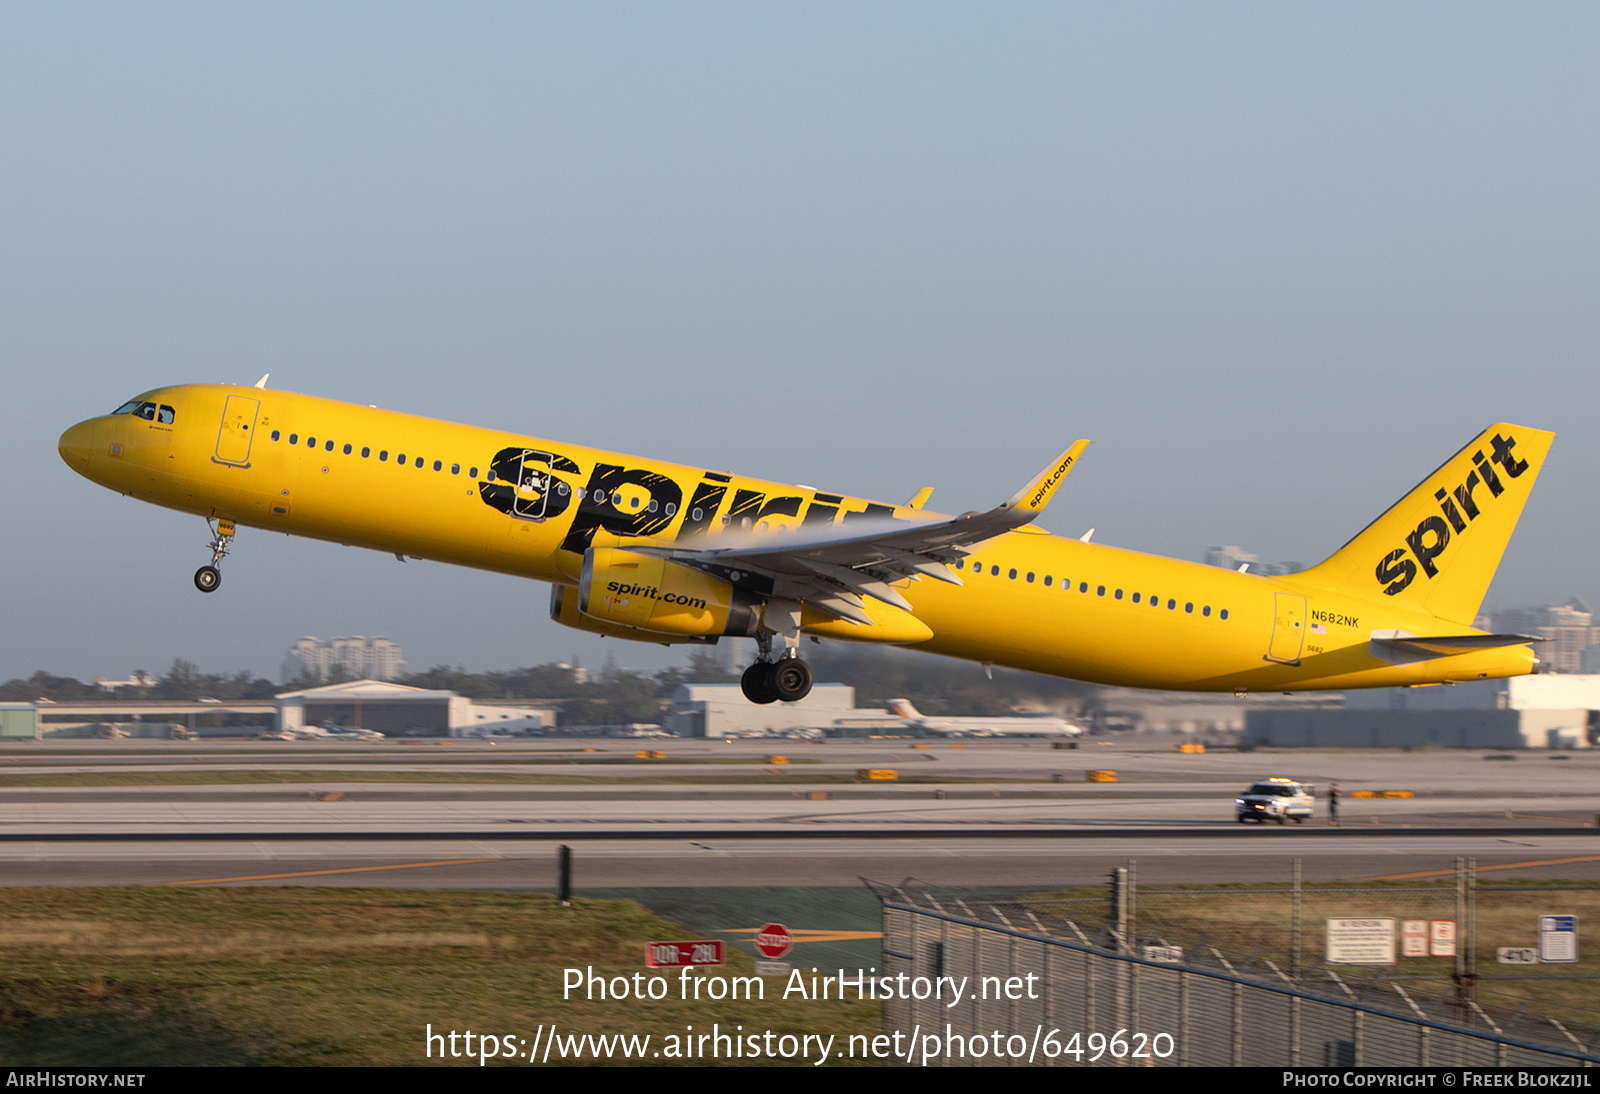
1458	507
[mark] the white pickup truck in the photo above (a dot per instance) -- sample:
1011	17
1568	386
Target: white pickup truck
1275	799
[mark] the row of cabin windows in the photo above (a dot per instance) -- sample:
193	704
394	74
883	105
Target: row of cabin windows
1100	590
383	454
695	514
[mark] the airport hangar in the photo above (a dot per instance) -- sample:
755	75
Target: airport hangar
394	710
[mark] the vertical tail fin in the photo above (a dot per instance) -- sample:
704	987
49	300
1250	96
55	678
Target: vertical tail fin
903	709
1437	548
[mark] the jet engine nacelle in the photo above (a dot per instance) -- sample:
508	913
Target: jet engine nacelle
564	610
626	589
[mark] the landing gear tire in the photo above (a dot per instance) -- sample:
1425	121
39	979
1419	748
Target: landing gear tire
1280	821
207	578
757	683
791	679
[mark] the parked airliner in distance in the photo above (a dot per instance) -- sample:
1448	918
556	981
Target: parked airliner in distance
324	733
661	552
1042	726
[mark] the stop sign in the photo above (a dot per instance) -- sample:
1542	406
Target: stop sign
774	940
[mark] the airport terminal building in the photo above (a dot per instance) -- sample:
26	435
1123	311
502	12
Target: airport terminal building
1549	711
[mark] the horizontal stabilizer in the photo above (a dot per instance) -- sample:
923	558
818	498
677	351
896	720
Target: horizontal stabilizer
1403	647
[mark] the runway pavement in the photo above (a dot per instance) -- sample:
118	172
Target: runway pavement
1001	820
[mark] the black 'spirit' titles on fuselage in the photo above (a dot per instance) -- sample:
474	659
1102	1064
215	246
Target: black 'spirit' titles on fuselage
1432	535
522	484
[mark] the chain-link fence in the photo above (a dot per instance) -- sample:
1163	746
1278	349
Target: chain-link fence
1202	976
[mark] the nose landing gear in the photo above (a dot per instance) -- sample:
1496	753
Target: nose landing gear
208	578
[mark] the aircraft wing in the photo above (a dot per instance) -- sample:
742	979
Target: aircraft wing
832	569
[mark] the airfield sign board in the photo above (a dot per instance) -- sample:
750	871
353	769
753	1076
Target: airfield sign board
774	940
1360	942
1558	938
672	955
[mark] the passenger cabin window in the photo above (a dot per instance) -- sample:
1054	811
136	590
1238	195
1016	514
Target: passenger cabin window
348	449
275	434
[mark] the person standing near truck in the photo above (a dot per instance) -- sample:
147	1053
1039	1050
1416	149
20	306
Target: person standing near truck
1333	805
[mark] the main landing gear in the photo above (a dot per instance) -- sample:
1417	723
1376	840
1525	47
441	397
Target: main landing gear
208	578
767	681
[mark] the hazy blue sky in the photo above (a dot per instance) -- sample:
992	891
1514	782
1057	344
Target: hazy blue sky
1277	261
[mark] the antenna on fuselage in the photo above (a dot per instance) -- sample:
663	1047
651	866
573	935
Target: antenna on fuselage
262	383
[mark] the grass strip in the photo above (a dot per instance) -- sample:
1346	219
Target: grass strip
257	976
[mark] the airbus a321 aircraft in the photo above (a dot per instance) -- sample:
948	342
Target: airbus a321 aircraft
661	552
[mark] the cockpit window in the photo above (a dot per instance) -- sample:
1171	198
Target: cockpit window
149	411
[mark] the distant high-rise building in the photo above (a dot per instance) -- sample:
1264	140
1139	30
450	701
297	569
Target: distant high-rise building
1568	630
354	657
1231	558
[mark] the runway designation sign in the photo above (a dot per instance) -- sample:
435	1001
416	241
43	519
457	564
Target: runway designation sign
1360	942
672	955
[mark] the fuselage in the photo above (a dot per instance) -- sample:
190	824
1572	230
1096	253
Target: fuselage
459	494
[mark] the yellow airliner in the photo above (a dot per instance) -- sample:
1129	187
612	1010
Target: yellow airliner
661	552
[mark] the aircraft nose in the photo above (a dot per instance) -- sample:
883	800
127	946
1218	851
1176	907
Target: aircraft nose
77	445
